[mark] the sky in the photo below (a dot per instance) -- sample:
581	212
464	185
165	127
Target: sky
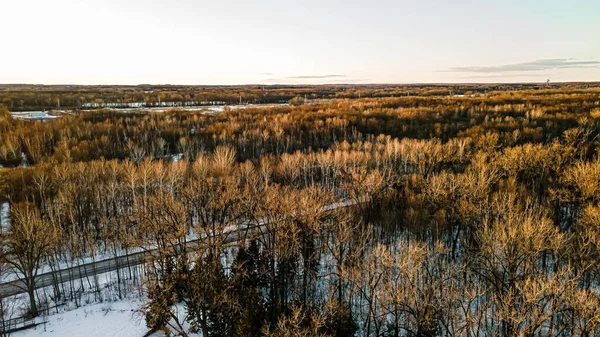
293	42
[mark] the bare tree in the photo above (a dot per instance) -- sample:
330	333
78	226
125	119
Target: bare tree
26	245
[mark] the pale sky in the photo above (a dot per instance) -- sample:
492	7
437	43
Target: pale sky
308	41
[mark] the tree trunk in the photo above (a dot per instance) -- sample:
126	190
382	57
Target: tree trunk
32	304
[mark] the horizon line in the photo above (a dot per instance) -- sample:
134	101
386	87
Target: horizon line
292	84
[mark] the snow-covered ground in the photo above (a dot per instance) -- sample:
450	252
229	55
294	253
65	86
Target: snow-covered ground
4	221
149	104
41	115
210	109
95	320
95	306
111	317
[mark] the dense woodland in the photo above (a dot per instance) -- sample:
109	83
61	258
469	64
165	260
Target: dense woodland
392	214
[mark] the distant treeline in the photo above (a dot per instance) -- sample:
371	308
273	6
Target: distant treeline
39	97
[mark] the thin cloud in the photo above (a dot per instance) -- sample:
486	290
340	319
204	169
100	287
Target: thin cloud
511	75
267	74
537	65
351	81
318	78
313	77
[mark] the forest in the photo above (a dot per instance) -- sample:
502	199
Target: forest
22	97
450	210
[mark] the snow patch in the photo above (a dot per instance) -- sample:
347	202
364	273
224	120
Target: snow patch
97	320
4	216
39	115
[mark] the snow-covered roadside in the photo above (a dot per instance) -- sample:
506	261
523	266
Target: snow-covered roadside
104	319
107	254
65	262
94	307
